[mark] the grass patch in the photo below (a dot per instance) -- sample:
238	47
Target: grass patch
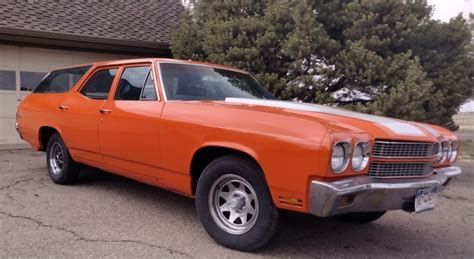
465	131
467	149
465	121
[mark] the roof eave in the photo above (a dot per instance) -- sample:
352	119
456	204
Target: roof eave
83	43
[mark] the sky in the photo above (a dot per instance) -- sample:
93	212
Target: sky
446	9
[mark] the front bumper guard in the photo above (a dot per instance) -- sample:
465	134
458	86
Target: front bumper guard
365	193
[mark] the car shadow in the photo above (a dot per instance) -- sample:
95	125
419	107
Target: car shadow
299	234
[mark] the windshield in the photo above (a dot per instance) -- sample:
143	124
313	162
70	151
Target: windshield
194	82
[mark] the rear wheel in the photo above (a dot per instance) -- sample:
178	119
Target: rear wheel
62	169
234	204
362	217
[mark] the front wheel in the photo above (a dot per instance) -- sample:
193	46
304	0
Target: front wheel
234	204
362	217
62	169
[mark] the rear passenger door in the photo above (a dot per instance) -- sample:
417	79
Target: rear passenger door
80	112
130	121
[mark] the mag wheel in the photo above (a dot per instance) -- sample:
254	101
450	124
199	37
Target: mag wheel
234	204
62	169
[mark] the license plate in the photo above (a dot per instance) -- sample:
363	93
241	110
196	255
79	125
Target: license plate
425	199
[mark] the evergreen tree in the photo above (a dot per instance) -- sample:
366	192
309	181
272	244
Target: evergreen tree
383	57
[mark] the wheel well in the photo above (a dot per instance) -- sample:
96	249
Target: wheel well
44	135
206	155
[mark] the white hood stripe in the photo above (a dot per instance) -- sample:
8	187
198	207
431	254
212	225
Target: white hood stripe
433	132
396	126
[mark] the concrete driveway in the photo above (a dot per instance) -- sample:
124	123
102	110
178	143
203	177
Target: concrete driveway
107	215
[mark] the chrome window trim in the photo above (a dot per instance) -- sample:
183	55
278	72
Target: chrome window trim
165	98
155	83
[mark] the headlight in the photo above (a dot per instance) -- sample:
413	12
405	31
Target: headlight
443	151
360	158
453	151
340	156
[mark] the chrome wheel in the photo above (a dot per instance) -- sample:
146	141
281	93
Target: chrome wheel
233	204
56	158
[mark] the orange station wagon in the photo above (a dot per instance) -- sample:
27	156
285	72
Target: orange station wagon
214	133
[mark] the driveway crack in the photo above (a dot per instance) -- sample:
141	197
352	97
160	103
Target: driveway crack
15	183
79	237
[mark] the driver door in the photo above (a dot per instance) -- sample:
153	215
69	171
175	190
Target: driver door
129	123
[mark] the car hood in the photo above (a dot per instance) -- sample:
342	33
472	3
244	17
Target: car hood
378	127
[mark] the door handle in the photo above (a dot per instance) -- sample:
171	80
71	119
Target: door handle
102	111
63	107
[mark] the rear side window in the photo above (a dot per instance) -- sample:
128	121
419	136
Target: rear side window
99	84
60	81
136	84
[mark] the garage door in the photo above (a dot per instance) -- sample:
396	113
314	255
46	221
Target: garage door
21	69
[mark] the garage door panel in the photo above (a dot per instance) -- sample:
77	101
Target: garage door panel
8	133
8	104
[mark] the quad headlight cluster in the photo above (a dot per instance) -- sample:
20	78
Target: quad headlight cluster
360	158
448	151
343	153
453	151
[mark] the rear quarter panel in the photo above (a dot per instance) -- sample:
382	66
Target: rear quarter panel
36	111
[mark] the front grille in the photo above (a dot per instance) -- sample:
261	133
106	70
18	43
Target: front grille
387	170
404	149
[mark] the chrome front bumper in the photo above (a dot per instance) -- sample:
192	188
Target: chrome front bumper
365	193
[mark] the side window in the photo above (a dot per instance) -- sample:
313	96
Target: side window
7	80
30	80
136	84
60	81
148	92
99	84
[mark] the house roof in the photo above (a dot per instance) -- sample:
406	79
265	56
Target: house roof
109	25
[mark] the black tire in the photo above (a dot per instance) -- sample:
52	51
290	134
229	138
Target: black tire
362	217
265	222
61	173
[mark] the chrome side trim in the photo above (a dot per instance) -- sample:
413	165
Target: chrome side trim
366	193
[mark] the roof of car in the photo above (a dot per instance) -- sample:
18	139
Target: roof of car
159	60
